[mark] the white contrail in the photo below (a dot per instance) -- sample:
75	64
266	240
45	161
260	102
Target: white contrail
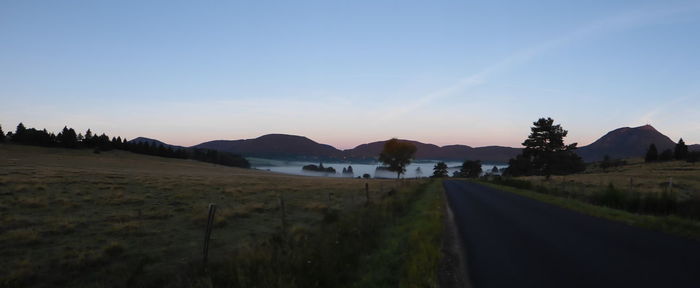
623	21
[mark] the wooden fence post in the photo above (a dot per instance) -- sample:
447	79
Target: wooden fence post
207	234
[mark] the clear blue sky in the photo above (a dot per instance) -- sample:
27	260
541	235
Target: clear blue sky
350	72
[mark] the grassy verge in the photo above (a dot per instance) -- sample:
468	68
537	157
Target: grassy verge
392	242
410	250
669	224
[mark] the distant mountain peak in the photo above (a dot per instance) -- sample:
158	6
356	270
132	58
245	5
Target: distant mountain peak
625	142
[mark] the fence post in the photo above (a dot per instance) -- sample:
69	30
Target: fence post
207	234
631	184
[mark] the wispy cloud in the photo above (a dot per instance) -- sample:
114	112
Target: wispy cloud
652	116
620	22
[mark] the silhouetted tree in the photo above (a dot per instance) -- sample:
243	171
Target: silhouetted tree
397	155
494	170
440	170
347	172
419	172
67	138
2	135
545	152
470	169
681	150
20	133
666	155
652	154
88	141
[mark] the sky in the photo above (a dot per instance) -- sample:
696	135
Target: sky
350	72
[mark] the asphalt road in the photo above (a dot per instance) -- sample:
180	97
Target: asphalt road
514	241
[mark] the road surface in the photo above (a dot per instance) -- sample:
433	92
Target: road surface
514	241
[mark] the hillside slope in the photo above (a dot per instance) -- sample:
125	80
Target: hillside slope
274	146
625	143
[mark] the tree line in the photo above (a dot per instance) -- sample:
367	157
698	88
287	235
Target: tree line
68	138
396	155
680	152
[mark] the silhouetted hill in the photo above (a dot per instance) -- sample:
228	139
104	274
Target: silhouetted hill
372	150
625	143
695	147
281	146
150	141
620	143
434	152
275	146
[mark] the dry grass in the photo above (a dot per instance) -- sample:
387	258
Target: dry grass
63	209
636	176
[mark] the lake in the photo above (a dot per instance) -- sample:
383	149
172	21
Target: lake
417	169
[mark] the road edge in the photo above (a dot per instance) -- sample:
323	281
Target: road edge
452	268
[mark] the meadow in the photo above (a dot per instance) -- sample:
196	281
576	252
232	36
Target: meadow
663	196
673	176
117	219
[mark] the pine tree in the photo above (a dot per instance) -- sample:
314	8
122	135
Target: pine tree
89	139
652	154
20	133
681	150
545	152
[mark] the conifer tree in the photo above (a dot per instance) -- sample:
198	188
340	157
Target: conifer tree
652	154
545	152
20	133
681	150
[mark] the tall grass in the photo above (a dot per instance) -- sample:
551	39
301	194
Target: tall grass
664	202
392	241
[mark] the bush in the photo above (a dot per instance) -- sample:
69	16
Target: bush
610	197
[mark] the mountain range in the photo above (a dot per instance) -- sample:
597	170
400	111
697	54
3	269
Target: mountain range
620	143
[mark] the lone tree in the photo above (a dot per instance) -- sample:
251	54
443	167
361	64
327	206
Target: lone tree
681	150
397	155
545	152
470	169
440	170
652	154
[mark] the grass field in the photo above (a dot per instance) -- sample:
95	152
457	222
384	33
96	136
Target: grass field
636	175
117	219
670	224
663	196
